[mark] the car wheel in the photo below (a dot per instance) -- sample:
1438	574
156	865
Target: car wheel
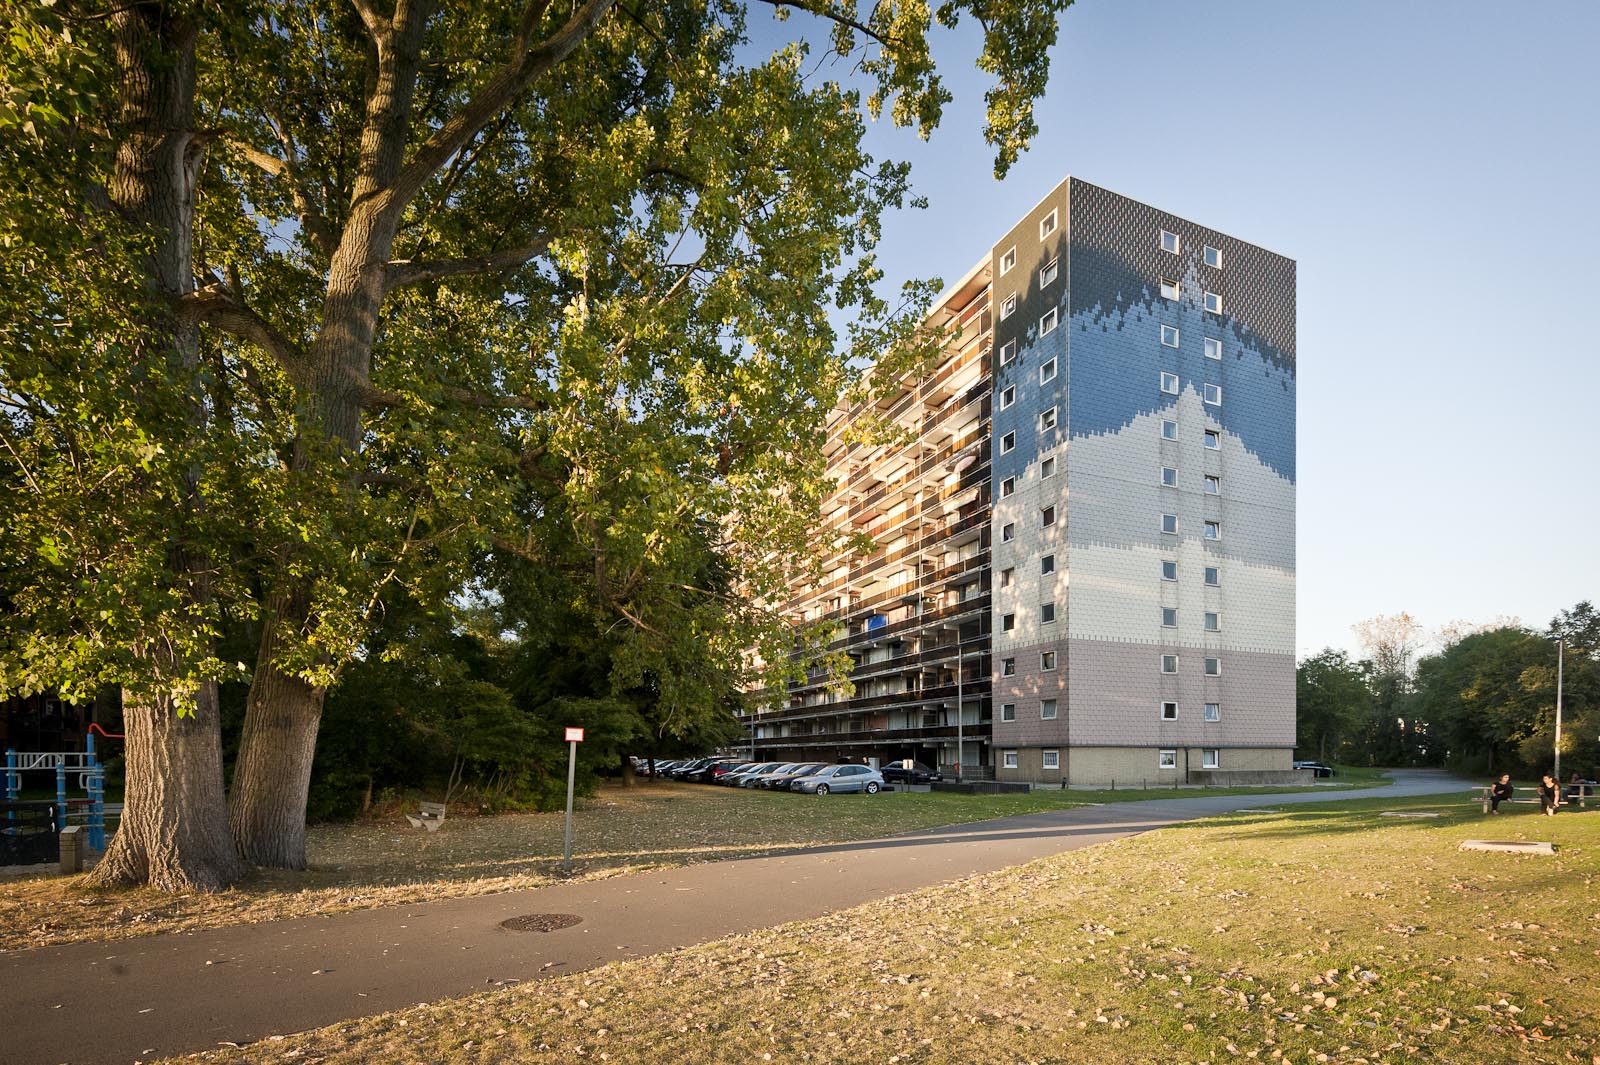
872	787
822	789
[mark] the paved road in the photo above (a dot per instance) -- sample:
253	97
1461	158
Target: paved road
168	994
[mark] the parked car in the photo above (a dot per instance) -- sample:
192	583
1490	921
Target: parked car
683	769
713	769
734	778
915	773
1317	768
840	778
780	781
759	779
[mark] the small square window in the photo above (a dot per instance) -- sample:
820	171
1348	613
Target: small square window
1008	442
1008	711
1213	256
1047	372
1213	667
1047	224
1169	477
1047	517
1169	429
1213	621
1169	663
1047	661
1170	242
1213	485
1009	307
1213	530
1213	395
1213	711
1047	710
1169	335
1213	348
1008	486
1169	617
1168	760
1169	383
1047	613
1052	759
1047	467
1047	419
1008	667
1169	711
1008	622
1213	440
1007	575
1213	303
1007	261
1008	532
1008	351
1169	289
1169	524
1047	273
1213	577
1169	570
1210	758
1047	565
1047	324
1008	396
1008	759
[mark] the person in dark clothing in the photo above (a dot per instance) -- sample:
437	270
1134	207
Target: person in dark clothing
1549	794
1575	788
1499	792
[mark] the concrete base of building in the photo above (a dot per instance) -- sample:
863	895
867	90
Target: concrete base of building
1228	778
982	787
1141	766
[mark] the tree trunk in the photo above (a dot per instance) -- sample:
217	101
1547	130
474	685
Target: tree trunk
627	772
272	776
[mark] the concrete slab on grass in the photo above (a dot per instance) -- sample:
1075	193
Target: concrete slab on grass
1507	846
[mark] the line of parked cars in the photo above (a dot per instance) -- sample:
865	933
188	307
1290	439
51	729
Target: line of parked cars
810	778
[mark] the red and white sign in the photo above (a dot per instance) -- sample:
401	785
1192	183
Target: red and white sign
574	735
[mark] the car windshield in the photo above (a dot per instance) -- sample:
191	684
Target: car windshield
808	769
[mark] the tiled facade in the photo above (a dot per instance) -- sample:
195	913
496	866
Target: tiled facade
1132	497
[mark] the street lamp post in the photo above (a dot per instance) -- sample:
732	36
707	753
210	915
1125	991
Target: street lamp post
1560	655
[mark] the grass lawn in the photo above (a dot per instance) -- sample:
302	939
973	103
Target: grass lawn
1323	933
355	866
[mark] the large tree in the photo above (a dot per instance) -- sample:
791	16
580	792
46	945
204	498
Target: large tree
1332	700
390	263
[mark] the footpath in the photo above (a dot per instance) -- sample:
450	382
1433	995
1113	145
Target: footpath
138	999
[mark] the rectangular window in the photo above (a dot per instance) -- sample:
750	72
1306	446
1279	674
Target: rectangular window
1047	324
1169	711
1008	351
1008	759
1008	667
1169	335
1006	576
1210	758
1213	485
1047	372
1213	395
1008	486
1170	242
1008	711
1169	429
1008	442
1213	621
1008	622
1169	663
1169	524
1168	760
1047	419
1047	467
1047	273
1213	256
1213	440
1047	613
1047	516
1213	576
1169	617
1009	307
1213	711
1213	303
1169	383
1169	571
1213	667
1047	710
1047	224
1213	348
1169	289
1008	396
1047	564
1008	260
1052	759
1213	530
1008	532
1047	661
1169	477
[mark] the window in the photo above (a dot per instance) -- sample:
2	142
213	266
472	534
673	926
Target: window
1169	524
1008	442
1169	429
1047	273
1008	667
1210	758
1006	576
1213	440
1169	617
1213	485
1008	711
1008	260
1168	760
1213	530
1213	256
1213	348
1213	667
1047	224
1169	335
1213	303
1052	759
1008	351
1170	242
1008	622
1047	564
1008	759
1009	307
1213	395
1047	419
1047	324
1169	663
1169	477
1008	532
1047	372
1047	710
1047	517
1169	383
1047	467
1047	661
1169	711
1169	289
1213	576
1169	571
1008	396
1213	711
1047	613
1008	486
1213	621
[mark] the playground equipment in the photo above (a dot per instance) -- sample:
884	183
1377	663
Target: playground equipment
91	777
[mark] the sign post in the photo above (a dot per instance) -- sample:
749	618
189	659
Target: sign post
574	737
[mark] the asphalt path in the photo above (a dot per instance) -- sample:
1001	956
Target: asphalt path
136	999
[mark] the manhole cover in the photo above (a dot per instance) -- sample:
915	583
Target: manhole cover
541	922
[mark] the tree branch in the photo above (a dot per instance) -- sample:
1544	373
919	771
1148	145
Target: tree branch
311	219
216	305
403	272
834	16
376	24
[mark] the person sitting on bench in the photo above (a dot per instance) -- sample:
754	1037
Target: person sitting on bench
1499	792
1549	794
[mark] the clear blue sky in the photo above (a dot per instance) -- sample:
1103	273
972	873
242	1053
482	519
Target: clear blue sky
1435	170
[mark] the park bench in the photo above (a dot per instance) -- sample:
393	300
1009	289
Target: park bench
1580	794
429	815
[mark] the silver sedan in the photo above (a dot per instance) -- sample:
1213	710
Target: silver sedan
841	778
